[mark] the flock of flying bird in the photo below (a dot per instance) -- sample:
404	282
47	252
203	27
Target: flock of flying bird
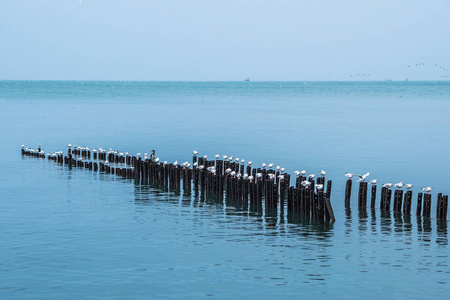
399	185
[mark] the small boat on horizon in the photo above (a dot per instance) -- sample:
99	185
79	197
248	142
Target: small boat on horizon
247	79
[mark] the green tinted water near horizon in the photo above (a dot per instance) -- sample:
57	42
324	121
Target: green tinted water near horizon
71	233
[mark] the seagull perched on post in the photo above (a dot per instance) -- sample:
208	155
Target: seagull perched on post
362	177
297	173
311	176
306	183
408	186
216	156
388	185
322	173
348	175
427	189
373	181
303	172
399	185
319	187
195	152
249	163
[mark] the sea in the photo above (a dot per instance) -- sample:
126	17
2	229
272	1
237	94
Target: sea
78	234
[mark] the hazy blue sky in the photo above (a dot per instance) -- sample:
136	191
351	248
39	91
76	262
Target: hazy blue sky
224	40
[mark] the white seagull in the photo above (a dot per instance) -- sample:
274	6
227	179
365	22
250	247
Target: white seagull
322	173
374	181
399	185
427	189
388	185
195	152
362	177
408	186
319	187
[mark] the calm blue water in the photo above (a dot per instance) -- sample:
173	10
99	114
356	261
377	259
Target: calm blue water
71	234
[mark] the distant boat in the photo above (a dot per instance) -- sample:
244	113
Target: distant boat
247	79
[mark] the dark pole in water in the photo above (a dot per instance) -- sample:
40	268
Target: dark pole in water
373	196
348	192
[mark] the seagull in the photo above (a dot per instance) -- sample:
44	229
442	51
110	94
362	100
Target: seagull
258	175
282	169
233	173
348	175
195	152
278	168
322	173
236	159
195	164
23	146
230	158
373	181
319	187
263	165
362	177
250	163
216	156
388	185
250	178
306	183
311	176
427	189
106	162
270	165
245	176
201	167
303	172
175	163
399	185
165	162
157	159
70	145
408	186
205	157
297	173
224	157
281	177
228	171
242	161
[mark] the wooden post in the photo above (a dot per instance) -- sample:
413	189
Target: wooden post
373	196
348	192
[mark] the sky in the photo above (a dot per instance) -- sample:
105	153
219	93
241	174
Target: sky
224	40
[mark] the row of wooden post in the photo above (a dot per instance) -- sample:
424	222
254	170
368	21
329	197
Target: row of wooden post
265	192
402	201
